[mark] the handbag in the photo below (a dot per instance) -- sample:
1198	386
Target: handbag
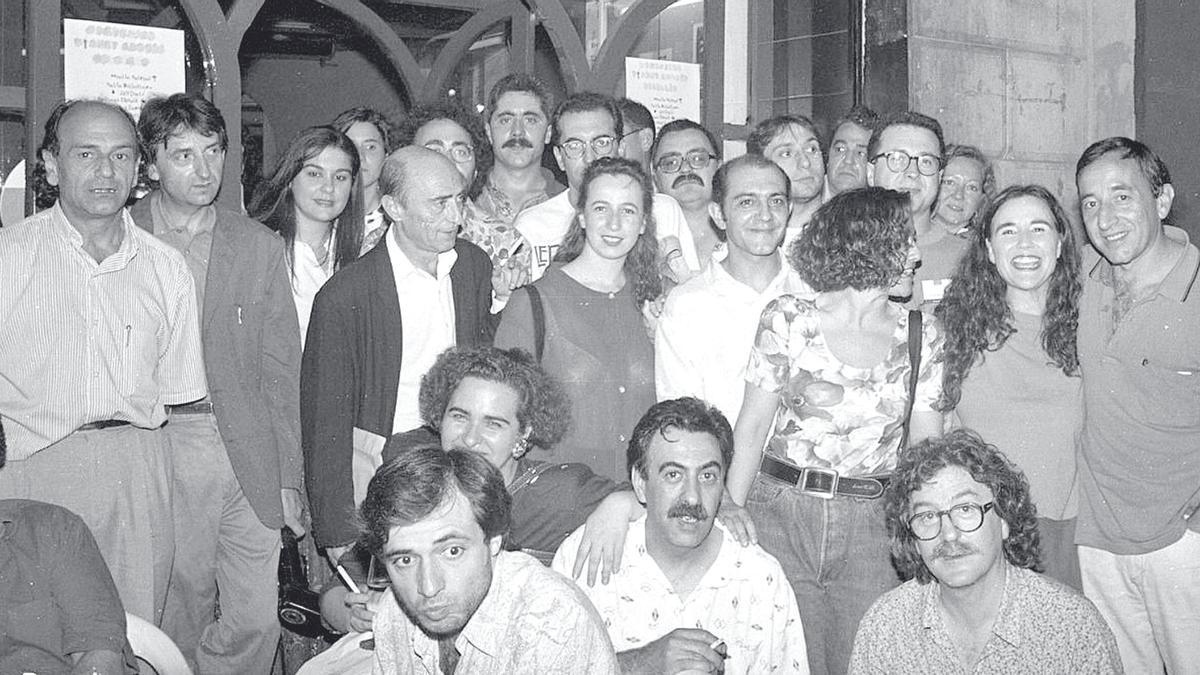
299	605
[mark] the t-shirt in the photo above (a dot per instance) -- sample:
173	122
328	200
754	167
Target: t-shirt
1017	399
939	262
831	414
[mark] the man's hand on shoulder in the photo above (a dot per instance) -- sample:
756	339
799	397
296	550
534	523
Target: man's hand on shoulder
683	650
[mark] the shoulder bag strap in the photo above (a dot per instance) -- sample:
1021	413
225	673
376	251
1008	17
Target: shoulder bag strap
539	322
914	360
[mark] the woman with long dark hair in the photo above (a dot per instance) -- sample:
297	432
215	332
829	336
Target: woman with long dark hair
589	333
1011	370
314	200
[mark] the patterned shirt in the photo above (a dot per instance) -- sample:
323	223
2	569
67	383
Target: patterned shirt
532	621
1042	628
832	414
744	598
83	341
499	239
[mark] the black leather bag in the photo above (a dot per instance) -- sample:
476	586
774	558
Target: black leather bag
299	605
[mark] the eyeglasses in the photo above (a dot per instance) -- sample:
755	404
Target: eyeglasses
898	161
673	163
601	145
927	525
457	152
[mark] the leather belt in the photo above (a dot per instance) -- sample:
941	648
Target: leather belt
102	424
197	408
821	482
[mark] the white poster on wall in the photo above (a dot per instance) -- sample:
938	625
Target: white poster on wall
669	89
120	63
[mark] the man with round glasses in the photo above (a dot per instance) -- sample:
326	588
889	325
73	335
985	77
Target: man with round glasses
964	532
684	158
584	127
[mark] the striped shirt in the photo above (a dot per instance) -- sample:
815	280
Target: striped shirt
82	341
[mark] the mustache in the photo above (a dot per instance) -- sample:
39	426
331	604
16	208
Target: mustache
952	549
687	510
518	142
685	178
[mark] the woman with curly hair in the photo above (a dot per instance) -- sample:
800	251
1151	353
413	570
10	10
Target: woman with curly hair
1011	370
586	326
827	394
313	198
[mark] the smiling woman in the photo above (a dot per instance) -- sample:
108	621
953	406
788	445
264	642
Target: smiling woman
313	198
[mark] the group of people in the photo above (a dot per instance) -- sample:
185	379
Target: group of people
826	407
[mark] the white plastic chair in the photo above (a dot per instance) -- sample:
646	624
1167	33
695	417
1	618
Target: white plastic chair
152	646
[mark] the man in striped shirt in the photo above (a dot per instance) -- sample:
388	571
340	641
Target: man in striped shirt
98	335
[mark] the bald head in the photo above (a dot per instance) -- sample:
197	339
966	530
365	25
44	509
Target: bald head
90	154
404	164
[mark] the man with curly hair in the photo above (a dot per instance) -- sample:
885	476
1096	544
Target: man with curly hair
959	516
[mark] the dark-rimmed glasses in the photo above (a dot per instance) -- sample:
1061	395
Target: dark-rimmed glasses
697	159
927	525
898	161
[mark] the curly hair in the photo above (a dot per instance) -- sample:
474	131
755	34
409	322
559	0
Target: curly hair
274	206
974	310
545	409
469	120
641	265
961	448
685	414
858	239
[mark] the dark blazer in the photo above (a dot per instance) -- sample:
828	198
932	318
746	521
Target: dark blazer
351	369
251	340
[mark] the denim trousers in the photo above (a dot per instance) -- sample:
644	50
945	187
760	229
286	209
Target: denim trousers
836	555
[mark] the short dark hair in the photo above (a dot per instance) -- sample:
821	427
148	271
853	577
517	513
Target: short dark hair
635	116
858	239
765	131
44	193
720	183
1149	163
410	487
685	414
987	465
545	408
162	117
907	118
860	115
675	126
348	118
469	120
520	82
586	101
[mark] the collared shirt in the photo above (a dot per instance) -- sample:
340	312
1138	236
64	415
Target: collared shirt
308	276
1140	445
833	414
496	206
1041	628
427	302
706	331
545	225
375	225
194	245
533	620
500	240
744	598
56	594
82	341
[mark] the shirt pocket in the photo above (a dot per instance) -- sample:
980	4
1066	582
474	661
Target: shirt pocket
139	363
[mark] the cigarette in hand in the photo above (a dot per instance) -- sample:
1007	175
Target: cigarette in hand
346	579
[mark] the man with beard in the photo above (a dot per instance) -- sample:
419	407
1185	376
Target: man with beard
791	141
460	604
707	326
685	158
964	532
687	598
846	168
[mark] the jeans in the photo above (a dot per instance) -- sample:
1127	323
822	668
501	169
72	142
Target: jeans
836	555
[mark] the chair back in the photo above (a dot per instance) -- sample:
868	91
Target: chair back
152	646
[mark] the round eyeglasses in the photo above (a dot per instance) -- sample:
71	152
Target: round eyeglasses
927	525
601	145
898	161
457	152
673	163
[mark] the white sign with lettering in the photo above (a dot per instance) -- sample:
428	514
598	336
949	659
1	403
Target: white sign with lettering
669	89
120	63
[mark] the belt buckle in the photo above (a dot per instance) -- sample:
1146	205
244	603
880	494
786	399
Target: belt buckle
818	482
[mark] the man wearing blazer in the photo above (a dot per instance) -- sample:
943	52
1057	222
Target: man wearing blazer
377	326
238	465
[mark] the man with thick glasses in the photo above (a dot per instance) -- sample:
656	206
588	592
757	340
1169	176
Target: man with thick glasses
685	157
585	127
964	532
905	153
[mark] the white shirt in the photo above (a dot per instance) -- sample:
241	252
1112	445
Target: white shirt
427	312
308	276
706	331
744	598
545	225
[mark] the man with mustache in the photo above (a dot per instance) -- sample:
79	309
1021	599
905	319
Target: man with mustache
685	157
964	532
688	598
707	326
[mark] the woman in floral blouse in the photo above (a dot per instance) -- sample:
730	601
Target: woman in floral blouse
827	394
